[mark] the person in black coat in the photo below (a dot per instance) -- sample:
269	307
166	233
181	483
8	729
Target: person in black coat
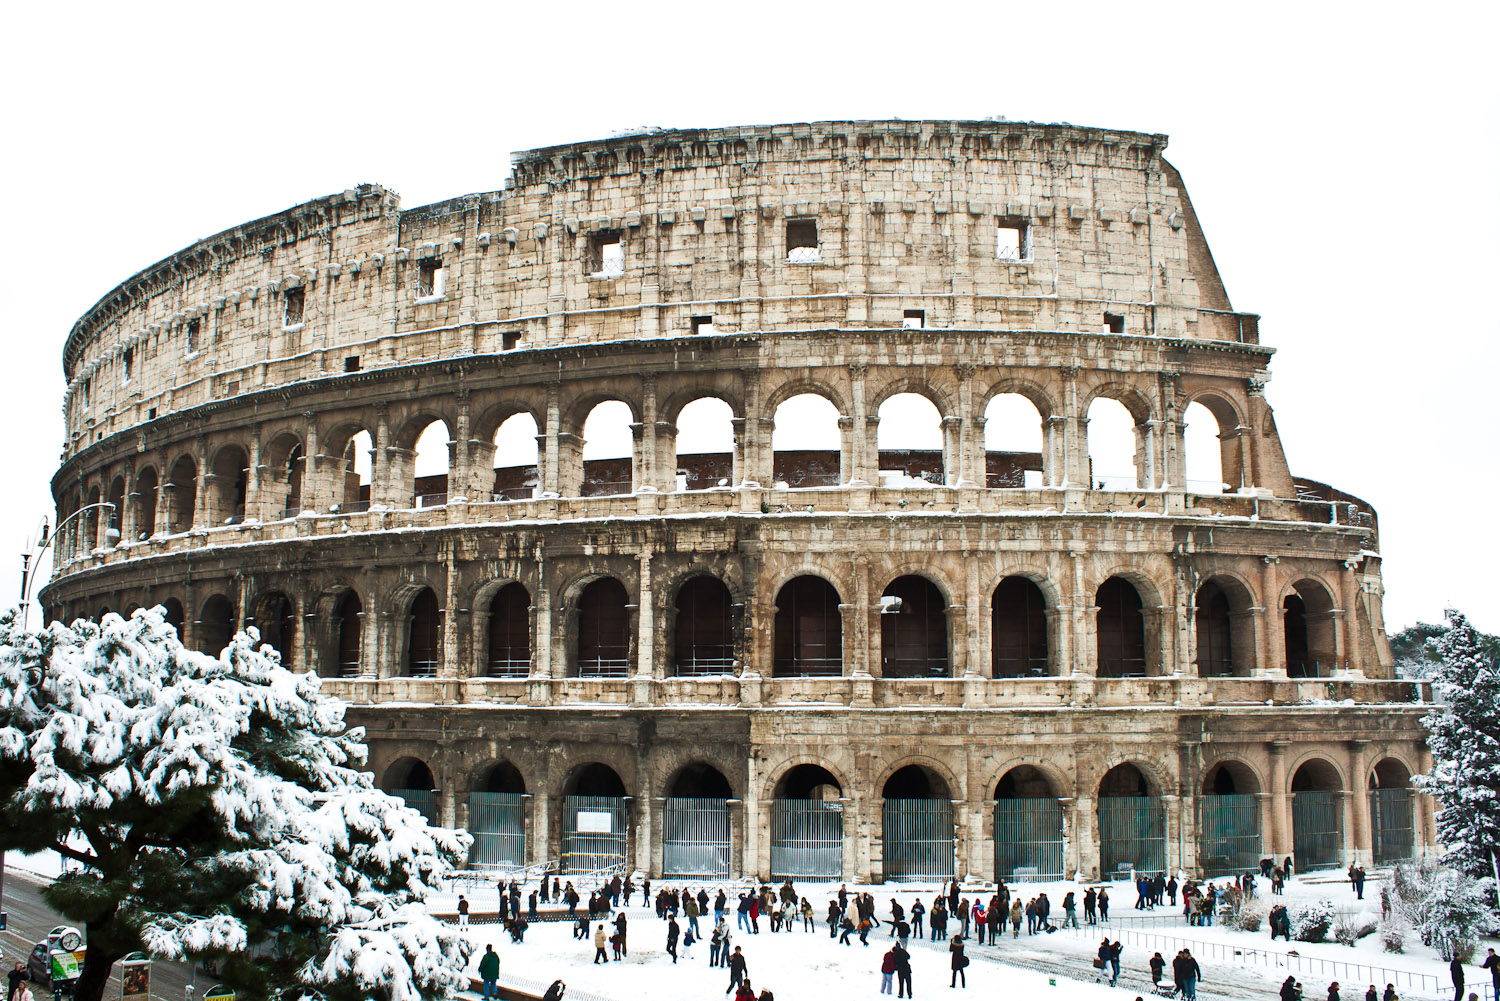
1456	971
957	962
1157	965
903	971
1289	991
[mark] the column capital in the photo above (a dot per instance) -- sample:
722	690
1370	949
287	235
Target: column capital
1279	746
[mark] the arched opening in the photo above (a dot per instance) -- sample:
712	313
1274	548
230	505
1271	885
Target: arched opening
1028	827
809	630
603	630
424	644
806	443
173	612
1121	630
807	825
284	462
608	450
913	630
705	445
91	522
1212	460
430	466
359	464
348	613
145	504
1392	823
182	495
517	469
509	632
1014	443
1224	626
704	628
1132	825
909	440
215	625
276	618
229	477
695	824
1317	816
1018	630
1113	446
918	825
1308	625
596	822
497	819
1228	820
412	781
116	511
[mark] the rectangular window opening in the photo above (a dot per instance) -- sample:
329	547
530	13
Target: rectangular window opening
510	340
1114	323
129	359
151	414
296	301
1013	241
702	324
430	278
351	363
914	319
193	327
88	384
801	241
606	255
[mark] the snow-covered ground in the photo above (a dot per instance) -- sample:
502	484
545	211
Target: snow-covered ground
797	965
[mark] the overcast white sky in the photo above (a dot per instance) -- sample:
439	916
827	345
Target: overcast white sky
1343	160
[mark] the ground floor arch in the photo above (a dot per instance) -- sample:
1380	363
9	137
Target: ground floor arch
1132	824
411	779
215	624
1392	819
595	820
696	824
1229	820
1029	827
1317	816
807	825
917	825
276	618
497	818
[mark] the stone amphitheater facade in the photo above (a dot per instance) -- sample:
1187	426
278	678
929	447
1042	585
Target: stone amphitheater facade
767	660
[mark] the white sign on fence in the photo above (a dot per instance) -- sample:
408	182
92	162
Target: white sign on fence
595	822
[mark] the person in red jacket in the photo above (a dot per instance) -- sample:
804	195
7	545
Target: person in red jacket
887	970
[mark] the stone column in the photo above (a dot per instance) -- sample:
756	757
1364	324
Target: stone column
646	476
1269	657
318	489
974	635
163	523
1360	838
380	467
202	508
1074	434
1281	801
1054	462
460	470
864	448
1266	807
848	429
1426	820
751	438
549	455
645	668
450	667
1069	835
969	428
958	641
1177	853
1085	839
666	456
1354	661
253	476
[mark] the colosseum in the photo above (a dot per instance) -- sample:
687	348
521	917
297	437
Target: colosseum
722	502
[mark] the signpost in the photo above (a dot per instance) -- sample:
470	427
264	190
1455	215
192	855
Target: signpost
219	992
135	977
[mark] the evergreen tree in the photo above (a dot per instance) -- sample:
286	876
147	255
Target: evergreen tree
217	811
1464	734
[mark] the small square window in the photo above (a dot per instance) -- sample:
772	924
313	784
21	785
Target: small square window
606	254
296	302
801	241
351	363
88	384
151	414
1013	240
702	324
1114	323
129	358
193	327
430	278
510	340
914	319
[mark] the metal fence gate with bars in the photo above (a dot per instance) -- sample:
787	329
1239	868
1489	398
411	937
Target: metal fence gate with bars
498	822
1132	835
1228	834
1392	825
695	838
1317	830
424	801
807	838
596	832
1028	839
918	839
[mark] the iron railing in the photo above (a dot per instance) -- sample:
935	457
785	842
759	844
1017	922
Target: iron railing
424	801
1028	840
807	838
918	839
1132	834
1392	825
1228	834
1317	830
695	838
498	822
595	833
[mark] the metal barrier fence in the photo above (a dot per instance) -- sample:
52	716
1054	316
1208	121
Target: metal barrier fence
424	801
695	838
1028	839
1317	830
918	839
1333	969
1132	834
807	838
498	822
595	833
1228	834
1392	829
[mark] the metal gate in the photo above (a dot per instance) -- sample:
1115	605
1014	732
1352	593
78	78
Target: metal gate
1317	830
424	801
1028	839
595	832
1228	834
1132	835
807	838
695	838
918	839
1391	816
498	822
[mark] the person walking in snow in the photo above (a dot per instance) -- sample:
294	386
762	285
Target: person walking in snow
489	972
917	910
736	970
1333	991
1157	965
1070	910
1090	907
957	963
620	931
903	971
600	941
1492	963
887	970
673	931
1104	904
1456	971
1017	912
463	912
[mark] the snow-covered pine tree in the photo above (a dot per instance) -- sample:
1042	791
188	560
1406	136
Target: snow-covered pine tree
217	810
1464	734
